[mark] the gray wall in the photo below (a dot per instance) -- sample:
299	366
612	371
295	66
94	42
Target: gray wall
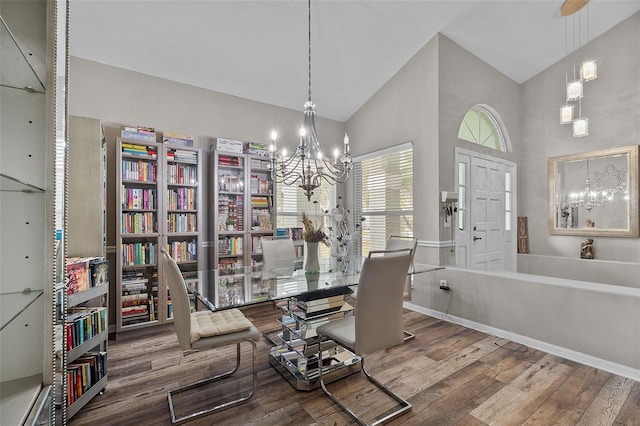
612	104
425	103
114	95
120	97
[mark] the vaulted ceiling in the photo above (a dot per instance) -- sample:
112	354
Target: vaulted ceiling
258	49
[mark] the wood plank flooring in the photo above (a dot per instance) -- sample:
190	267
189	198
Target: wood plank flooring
452	375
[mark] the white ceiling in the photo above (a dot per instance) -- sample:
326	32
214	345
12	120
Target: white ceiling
258	49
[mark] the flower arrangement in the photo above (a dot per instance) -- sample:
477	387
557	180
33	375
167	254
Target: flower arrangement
313	233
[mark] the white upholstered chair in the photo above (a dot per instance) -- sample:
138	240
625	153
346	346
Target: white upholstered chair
206	330
278	257
377	321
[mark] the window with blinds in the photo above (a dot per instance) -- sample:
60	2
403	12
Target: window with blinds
292	202
383	189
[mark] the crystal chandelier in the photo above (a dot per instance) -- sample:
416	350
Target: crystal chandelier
307	166
590	198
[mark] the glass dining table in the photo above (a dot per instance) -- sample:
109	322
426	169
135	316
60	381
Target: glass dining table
306	300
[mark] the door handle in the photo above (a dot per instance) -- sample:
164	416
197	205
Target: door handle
477	238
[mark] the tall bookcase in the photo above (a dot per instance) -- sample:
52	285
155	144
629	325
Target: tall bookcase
243	210
85	332
159	205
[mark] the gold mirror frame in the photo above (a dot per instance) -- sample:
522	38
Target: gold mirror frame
566	216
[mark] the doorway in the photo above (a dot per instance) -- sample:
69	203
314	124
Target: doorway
486	216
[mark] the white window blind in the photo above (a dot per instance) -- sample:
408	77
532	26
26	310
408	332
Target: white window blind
292	202
383	189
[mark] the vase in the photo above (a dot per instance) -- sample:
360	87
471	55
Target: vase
311	261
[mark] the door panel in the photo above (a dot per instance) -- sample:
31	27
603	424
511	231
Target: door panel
487	213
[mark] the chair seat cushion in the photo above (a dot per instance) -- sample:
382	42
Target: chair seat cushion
208	324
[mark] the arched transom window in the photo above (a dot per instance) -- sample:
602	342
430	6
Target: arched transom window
480	125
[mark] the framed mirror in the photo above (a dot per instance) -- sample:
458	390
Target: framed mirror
594	193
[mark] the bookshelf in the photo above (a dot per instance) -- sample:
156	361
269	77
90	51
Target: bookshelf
158	205
243	207
85	331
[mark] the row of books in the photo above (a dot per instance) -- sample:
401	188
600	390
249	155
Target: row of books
183	251
83	323
230	246
140	171
182	199
225	160
84	273
139	253
260	163
179	174
182	155
139	198
261	202
85	372
261	186
139	223
182	222
293	233
229	264
230	183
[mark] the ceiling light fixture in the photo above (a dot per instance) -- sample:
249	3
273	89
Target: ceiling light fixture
588	72
307	166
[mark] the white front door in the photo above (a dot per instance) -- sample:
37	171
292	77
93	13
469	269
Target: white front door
486	218
487	214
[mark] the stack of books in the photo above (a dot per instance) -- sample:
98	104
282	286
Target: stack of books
139	150
177	138
140	133
255	148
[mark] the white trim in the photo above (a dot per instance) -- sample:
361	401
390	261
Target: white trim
602	364
435	244
390	150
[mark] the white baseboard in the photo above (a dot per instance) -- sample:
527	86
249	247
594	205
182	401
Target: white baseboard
602	364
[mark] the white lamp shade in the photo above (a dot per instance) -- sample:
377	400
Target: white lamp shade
580	127
566	114
589	70
574	90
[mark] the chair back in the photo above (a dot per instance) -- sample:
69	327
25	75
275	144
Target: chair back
278	257
179	300
396	242
378	313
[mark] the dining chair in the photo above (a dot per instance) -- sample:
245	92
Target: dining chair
206	329
395	242
278	257
376	323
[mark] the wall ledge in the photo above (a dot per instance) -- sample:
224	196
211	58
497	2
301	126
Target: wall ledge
602	364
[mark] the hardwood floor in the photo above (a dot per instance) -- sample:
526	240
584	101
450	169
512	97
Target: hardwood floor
452	375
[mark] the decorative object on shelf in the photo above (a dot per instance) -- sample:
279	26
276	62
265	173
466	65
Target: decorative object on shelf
343	233
586	250
307	166
312	235
588	71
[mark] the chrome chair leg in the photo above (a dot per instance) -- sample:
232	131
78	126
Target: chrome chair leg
178	420
405	406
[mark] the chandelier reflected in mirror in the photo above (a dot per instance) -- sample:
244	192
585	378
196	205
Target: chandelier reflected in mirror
307	166
595	194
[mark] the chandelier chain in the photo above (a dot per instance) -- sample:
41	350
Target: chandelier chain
309	45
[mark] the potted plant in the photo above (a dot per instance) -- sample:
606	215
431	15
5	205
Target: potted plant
312	235
231	223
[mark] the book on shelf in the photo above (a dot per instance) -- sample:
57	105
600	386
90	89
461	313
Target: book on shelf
139	133
84	273
177	138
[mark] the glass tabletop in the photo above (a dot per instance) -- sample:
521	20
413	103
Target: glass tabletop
226	288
